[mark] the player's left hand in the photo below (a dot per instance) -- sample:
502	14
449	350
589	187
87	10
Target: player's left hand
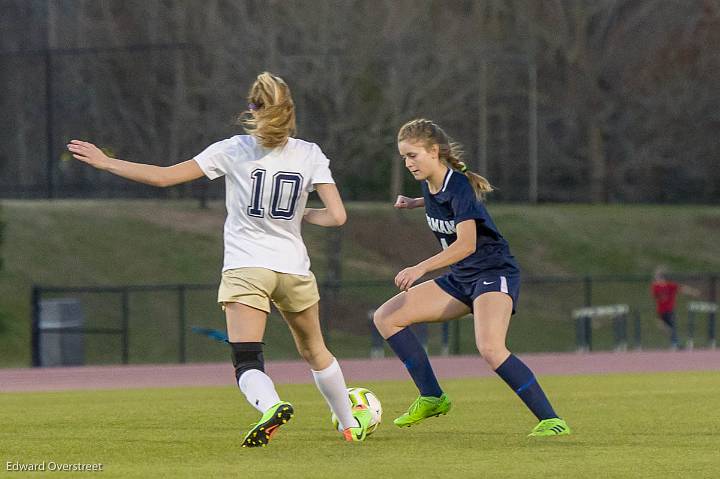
407	277
88	153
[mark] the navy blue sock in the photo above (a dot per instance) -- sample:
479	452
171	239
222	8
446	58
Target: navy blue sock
519	377
411	353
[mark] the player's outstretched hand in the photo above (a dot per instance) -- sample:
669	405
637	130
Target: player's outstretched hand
404	202
88	153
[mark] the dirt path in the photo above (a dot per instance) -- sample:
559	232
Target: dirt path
356	370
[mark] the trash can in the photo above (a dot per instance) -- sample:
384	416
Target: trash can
58	346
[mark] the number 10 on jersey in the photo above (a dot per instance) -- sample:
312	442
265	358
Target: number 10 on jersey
284	194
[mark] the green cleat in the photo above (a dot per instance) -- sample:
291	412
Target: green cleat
550	427
261	432
364	418
424	407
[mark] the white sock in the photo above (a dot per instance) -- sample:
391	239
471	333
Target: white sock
258	389
331	383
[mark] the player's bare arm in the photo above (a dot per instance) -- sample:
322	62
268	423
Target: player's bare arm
334	212
405	202
161	176
463	247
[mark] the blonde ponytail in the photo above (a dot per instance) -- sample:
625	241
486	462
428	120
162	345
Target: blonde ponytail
270	116
449	151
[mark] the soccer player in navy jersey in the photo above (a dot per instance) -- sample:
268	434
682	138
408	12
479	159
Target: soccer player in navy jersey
484	279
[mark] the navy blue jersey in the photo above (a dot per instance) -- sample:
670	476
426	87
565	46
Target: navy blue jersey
455	203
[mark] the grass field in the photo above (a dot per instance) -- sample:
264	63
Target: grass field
635	426
116	242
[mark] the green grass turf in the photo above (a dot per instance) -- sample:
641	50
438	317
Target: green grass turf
625	425
118	242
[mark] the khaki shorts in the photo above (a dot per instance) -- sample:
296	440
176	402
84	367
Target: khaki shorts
256	287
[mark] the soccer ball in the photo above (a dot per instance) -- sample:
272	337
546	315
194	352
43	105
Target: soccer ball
368	398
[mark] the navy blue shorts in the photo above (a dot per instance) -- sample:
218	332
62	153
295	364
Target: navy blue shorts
468	291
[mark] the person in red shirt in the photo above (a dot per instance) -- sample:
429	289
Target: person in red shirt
665	291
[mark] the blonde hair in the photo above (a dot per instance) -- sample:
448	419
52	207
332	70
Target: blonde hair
270	116
450	152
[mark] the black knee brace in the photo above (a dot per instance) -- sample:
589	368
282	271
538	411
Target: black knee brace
247	356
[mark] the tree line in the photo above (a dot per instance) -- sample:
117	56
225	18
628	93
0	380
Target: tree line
553	100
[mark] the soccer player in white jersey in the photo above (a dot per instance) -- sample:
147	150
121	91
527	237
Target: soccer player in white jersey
268	176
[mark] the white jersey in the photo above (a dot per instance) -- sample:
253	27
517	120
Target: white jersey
266	193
